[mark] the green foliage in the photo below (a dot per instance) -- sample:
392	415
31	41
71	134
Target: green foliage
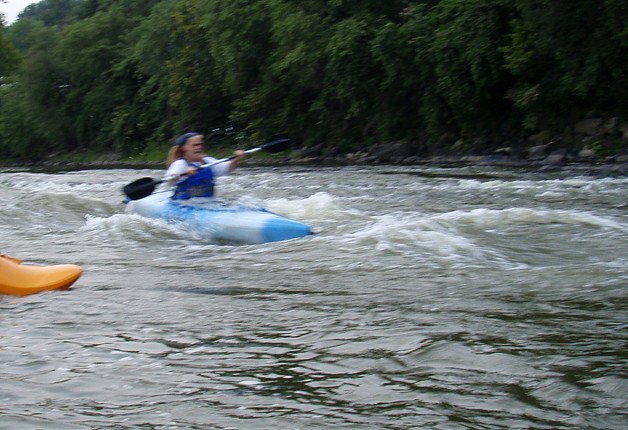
608	148
350	71
284	83
466	66
126	76
26	33
568	57
40	83
192	87
9	57
17	140
50	12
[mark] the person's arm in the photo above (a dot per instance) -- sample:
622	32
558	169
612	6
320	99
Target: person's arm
175	172
222	169
239	155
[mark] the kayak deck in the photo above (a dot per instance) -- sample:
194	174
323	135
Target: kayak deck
21	280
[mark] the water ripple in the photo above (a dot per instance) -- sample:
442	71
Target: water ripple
430	298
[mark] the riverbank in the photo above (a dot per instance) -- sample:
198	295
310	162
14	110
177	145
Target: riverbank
541	158
596	145
605	166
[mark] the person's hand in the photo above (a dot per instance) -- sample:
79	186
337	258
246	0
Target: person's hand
239	154
191	171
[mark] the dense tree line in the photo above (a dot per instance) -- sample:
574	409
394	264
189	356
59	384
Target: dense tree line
126	76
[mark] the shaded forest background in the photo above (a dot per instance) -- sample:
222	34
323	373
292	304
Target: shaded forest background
124	77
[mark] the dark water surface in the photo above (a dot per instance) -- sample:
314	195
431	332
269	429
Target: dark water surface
444	298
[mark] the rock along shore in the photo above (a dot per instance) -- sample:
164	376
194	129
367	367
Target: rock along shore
595	144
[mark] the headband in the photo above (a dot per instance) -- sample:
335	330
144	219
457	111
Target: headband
184	138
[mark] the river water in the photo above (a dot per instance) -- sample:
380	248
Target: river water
431	297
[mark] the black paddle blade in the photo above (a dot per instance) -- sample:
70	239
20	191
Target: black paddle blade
141	188
276	144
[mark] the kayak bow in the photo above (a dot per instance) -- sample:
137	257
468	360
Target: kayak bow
21	280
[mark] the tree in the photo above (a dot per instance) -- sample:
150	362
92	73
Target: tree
125	76
446	60
9	58
568	57
50	12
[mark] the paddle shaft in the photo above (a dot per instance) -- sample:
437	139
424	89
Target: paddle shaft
203	166
223	160
271	146
144	187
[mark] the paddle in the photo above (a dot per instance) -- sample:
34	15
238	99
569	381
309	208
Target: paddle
144	187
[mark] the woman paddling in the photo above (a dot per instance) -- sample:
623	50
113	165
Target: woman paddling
185	172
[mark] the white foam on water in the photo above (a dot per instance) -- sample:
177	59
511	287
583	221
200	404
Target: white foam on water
57	183
321	205
123	227
494	218
420	238
461	236
556	187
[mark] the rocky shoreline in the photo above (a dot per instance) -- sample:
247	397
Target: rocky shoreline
598	145
559	160
400	153
394	155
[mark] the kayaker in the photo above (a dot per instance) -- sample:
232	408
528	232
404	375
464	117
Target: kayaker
184	167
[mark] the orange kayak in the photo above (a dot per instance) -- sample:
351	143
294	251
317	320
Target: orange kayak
21	279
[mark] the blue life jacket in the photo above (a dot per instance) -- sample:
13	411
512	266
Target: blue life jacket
200	184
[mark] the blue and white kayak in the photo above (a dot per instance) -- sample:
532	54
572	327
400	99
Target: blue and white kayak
219	221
